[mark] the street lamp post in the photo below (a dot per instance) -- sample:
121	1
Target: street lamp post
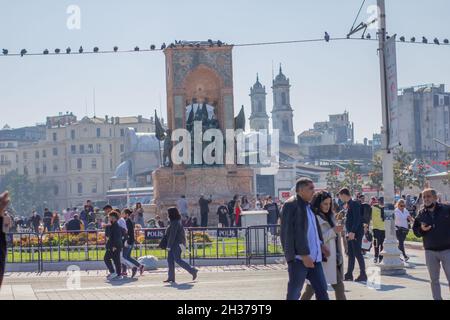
392	264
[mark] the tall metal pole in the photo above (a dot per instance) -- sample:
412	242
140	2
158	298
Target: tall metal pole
392	264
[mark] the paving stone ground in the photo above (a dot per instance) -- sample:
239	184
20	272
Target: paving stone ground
214	283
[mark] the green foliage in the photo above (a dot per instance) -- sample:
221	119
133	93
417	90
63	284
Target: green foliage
376	174
26	195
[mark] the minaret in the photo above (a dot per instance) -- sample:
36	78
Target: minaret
282	113
259	120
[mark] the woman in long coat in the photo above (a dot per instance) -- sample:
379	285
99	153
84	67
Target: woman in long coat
333	267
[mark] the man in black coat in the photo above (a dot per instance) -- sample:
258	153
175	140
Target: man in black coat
114	245
302	242
204	209
433	225
355	231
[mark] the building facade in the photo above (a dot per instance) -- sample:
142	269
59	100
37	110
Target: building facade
424	117
76	158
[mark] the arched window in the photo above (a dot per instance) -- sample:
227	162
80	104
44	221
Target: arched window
283	98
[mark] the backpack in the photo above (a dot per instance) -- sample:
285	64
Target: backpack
366	213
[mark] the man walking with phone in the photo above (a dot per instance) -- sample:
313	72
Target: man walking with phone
433	225
302	242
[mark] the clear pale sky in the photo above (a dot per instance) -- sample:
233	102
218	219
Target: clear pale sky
326	78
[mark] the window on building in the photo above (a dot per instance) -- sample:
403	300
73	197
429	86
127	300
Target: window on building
79	164
122	148
91	148
25	170
94	163
55	136
44	168
99	148
82	148
110	164
110	132
283	98
36	154
55	190
94	187
122	132
72	134
55	151
25	156
73	149
99	132
55	168
37	170
80	188
110	148
44	153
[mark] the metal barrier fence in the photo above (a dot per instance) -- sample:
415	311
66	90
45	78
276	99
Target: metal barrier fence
202	244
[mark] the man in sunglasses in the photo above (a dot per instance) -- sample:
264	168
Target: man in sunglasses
433	225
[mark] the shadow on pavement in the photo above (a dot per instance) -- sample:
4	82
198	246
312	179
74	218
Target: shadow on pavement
122	282
181	286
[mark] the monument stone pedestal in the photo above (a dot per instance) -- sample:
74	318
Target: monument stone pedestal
221	182
255	219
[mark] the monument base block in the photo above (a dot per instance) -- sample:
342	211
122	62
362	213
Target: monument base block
222	183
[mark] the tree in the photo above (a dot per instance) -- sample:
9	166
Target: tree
353	179
333	182
376	174
25	194
402	172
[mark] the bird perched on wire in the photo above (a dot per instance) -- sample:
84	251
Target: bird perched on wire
5	51
23	52
413	39
424	40
446	41
327	37
152	47
80	50
163	46
402	39
95	49
68	50
136	48
115	48
436	41
45	51
219	43
57	50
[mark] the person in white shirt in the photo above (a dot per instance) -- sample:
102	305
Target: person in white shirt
402	220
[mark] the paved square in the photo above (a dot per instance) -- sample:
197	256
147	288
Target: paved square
215	283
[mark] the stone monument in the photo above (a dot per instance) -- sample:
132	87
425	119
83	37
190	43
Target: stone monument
199	81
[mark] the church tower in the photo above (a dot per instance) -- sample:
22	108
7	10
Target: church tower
282	113
259	120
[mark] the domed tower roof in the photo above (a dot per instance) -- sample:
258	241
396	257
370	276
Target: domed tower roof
257	87
281	79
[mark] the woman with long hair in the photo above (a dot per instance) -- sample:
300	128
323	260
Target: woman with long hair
138	215
175	242
333	268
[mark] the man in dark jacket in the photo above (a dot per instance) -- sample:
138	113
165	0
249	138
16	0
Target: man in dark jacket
47	220
302	242
128	245
113	235
223	213
433	225
272	218
204	209
355	231
35	221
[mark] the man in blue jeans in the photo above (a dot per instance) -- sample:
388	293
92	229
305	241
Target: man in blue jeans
128	246
302	242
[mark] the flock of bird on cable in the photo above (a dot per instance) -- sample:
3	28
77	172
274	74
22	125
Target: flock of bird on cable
201	115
